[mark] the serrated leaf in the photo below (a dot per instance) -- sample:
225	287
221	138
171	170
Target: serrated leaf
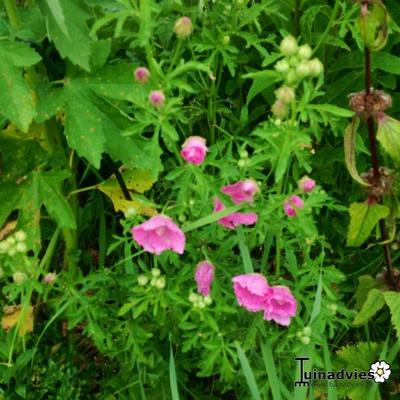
393	301
58	14
75	44
363	218
83	127
261	81
17	101
375	301
16	314
350	136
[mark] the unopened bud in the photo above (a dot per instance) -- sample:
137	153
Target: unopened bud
160	282
285	94
20	236
155	272
157	98
303	69
142	280
305	340
142	75
21	247
316	67
304	52
50	278
279	109
288	46
183	27
226	40
19	277
282	66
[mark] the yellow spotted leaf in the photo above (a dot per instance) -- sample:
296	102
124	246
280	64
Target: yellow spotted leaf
135	179
15	314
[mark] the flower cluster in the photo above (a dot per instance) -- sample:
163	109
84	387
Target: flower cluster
254	294
156	279
305	335
14	244
296	66
199	301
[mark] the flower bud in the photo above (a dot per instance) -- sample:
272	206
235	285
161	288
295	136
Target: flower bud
208	300
50	278
142	75
4	247
183	27
305	340
307	331
332	308
160	282
243	154
316	67
288	46
20	236
19	277
292	77
157	98
242	163
142	280
282	66
285	94
193	297
304	52
21	247
226	40
155	272
303	69
279	109
306	184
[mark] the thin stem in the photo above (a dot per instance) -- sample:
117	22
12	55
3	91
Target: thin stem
12	13
375	166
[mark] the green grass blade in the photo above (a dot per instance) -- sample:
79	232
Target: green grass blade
248	373
172	375
244	251
332	394
269	363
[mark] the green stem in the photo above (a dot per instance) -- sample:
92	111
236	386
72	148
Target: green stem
85	189
178	51
332	20
12	13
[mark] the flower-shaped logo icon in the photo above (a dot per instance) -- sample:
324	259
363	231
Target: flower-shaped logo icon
381	371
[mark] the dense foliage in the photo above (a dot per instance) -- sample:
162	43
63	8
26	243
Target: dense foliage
100	101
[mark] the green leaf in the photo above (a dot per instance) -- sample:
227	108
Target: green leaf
83	129
270	367
261	81
393	301
350	136
58	14
363	218
388	136
375	301
75	43
331	109
365	284
17	101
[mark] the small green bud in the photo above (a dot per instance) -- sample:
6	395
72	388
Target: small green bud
193	297
242	163
332	308
142	280
19	277
226	39
208	300
183	27
316	67
294	61
155	272
243	154
307	331
292	77
288	46
160	282
304	52
21	247
4	247
282	66
303	69
20	236
50	278
305	340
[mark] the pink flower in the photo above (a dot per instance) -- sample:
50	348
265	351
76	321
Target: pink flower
157	98
241	191
231	221
194	150
204	276
159	233
292	204
280	305
306	184
251	291
142	75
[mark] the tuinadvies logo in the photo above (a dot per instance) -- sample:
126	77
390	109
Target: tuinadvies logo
379	372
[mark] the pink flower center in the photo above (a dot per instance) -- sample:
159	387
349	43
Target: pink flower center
160	231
